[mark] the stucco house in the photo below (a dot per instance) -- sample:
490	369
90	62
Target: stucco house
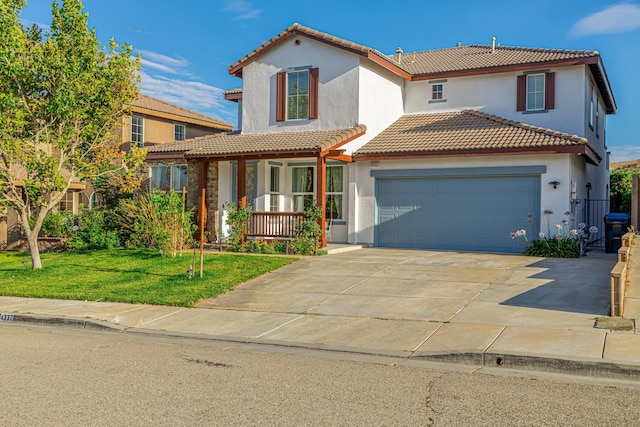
442	149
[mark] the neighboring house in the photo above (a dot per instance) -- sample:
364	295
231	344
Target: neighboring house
152	123
442	149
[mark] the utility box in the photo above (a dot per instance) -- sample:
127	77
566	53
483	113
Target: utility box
615	226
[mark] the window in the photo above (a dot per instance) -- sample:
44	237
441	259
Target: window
334	192
66	203
274	189
297	95
302	182
535	92
179	178
597	118
436	91
180	132
137	131
592	111
158	178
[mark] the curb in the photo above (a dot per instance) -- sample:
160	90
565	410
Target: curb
520	362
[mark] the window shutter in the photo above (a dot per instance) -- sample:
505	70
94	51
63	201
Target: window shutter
549	90
313	93
521	102
281	96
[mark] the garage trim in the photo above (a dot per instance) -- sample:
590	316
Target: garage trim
449	172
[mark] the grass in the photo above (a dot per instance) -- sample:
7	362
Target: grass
131	276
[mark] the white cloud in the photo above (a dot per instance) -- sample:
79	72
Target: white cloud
193	95
163	63
44	27
619	18
623	153
242	9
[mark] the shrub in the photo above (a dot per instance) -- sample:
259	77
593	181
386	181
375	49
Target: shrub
306	241
58	224
237	219
156	220
94	229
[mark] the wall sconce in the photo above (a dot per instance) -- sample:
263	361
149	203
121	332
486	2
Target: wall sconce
555	184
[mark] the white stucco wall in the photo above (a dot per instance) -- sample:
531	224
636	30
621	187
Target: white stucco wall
560	168
496	94
337	94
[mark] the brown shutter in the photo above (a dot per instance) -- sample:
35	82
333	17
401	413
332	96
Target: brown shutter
549	90
281	96
313	93
521	102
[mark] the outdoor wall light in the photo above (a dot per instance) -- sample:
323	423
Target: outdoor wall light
555	184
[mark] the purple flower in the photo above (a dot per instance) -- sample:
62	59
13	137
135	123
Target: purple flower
582	226
593	229
65	219
567	213
548	212
565	223
75	228
541	235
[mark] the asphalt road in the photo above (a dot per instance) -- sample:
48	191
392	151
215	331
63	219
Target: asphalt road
71	377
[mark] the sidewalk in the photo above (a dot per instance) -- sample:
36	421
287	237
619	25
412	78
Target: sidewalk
470	308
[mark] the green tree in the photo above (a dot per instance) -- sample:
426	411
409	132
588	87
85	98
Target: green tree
621	189
62	97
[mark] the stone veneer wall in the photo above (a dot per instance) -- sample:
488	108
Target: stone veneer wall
192	189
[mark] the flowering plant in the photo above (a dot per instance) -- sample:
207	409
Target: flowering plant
565	242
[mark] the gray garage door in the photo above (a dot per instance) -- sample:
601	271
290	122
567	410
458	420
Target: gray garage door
463	213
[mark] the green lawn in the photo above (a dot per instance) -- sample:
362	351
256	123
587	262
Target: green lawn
131	276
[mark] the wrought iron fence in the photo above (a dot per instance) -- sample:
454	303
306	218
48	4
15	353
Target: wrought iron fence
593	214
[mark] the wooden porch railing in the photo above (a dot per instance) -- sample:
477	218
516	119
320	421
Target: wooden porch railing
274	224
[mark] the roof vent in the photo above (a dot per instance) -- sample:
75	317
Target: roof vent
493	45
459	44
399	52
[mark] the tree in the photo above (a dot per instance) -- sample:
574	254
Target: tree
62	99
621	188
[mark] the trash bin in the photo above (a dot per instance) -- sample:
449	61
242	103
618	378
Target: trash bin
615	225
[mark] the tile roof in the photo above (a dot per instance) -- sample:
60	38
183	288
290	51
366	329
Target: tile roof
478	57
225	145
462	60
467	132
153	104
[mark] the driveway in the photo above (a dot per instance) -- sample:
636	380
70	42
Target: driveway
410	300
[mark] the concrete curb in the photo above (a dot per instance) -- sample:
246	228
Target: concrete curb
508	361
68	322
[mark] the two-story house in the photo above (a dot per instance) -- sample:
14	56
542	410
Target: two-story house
153	122
441	149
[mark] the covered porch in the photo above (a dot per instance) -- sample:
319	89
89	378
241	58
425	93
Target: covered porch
276	176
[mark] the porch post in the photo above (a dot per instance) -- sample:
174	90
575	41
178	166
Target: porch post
322	197
203	169
242	183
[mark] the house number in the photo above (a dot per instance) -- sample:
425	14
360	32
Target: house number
6	317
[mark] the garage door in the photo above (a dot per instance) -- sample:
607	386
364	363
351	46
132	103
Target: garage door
459	212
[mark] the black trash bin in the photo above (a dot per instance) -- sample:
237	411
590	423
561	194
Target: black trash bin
615	225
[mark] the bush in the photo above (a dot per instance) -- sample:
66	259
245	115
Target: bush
95	229
58	224
156	220
237	219
306	241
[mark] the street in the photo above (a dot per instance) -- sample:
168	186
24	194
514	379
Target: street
73	377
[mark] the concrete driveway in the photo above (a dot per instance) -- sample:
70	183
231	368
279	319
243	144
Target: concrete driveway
423	301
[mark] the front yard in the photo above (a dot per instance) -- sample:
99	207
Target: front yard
131	276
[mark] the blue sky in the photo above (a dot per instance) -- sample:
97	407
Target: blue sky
187	46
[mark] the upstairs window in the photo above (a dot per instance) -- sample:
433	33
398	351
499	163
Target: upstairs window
297	95
437	91
535	92
179	132
137	131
